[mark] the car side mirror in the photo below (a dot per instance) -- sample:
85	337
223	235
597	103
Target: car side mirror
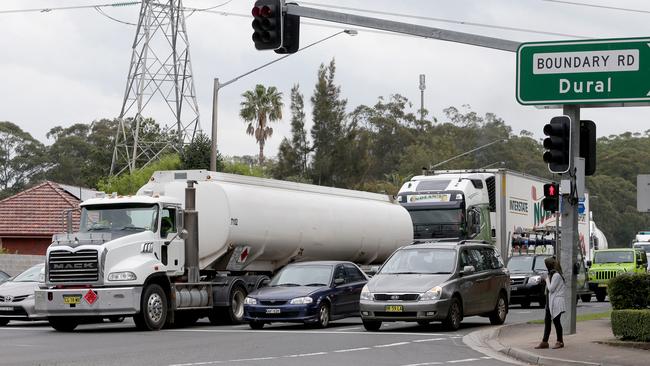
588	263
468	270
339	281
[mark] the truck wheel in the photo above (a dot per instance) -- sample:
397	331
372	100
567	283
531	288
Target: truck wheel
600	295
233	314
3	322
586	298
153	309
454	316
323	315
371	325
256	325
498	315
63	324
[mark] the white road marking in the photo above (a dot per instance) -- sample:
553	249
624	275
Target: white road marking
424	363
272	331
306	354
351	350
486	358
428	340
391	344
465	360
346	329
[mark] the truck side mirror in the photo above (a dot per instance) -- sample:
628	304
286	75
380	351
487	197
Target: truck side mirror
179	221
183	234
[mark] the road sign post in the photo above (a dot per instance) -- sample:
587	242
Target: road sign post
589	73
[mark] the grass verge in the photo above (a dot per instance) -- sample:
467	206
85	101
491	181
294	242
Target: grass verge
581	317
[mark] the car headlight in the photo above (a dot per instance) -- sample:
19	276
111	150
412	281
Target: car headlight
433	294
301	300
122	276
366	294
250	301
534	280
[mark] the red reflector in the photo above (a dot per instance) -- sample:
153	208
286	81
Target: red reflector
256	11
266	11
90	297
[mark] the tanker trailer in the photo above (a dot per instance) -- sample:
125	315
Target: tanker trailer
193	243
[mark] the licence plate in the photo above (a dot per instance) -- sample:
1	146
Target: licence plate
273	311
394	308
6	308
71	299
602	285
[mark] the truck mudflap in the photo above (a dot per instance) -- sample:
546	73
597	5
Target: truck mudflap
88	301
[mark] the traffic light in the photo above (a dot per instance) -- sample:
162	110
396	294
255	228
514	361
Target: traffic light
558	144
290	34
588	145
551	201
267	24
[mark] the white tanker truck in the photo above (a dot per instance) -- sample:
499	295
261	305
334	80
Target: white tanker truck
194	243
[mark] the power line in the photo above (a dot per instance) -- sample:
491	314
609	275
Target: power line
599	6
47	10
442	20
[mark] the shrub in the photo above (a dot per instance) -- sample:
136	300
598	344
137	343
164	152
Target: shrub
631	324
629	291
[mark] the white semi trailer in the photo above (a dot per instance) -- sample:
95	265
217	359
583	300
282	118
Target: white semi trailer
194	243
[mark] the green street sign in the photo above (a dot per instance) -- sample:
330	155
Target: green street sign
584	72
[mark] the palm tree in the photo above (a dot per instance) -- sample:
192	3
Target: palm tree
260	106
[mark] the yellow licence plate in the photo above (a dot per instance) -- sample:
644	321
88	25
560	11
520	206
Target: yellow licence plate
394	308
71	299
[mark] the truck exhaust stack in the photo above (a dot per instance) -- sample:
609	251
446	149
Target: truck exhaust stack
191	220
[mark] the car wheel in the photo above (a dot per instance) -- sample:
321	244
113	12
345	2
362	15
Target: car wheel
454	316
115	319
498	316
600	295
153	309
4	322
256	325
323	315
63	324
371	325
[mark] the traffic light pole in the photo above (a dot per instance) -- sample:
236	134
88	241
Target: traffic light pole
569	242
403	28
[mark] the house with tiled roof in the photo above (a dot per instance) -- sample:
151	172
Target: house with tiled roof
30	218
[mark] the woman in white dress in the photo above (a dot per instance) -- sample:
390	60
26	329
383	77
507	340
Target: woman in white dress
555	288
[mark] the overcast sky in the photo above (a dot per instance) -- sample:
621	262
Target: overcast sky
68	66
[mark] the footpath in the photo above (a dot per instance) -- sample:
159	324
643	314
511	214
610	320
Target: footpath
593	344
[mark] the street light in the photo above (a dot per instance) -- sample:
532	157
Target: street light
218	86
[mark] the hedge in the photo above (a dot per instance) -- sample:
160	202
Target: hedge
631	324
629	291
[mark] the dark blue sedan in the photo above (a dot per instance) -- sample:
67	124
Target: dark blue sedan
307	292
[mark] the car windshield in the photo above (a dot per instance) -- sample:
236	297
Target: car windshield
420	261
30	275
118	218
614	257
644	247
303	275
521	264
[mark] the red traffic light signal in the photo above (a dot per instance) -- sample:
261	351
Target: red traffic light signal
267	24
551	201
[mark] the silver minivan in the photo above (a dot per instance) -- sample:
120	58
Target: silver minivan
437	281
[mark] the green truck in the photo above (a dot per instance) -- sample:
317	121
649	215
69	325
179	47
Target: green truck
609	263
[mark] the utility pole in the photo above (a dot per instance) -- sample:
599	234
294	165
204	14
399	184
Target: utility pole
422	87
569	206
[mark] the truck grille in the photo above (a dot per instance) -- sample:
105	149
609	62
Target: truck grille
604	275
79	266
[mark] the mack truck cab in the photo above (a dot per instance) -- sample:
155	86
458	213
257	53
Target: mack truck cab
449	206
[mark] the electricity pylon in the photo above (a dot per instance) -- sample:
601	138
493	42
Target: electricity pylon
160	67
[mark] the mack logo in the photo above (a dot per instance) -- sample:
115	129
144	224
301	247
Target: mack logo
64	266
